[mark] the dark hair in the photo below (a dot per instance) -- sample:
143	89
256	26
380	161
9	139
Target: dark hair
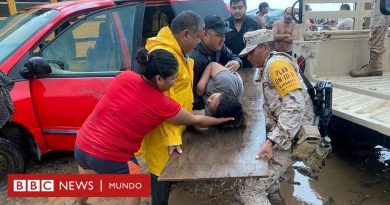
236	1
263	5
345	7
229	106
186	20
158	62
285	10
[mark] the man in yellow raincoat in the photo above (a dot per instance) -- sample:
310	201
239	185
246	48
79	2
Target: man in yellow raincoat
179	39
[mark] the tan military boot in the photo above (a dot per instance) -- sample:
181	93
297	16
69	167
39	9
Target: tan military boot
367	70
374	67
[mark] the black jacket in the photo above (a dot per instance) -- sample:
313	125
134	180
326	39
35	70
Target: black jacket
202	58
235	39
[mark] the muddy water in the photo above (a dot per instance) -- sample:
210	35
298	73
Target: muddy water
345	180
341	179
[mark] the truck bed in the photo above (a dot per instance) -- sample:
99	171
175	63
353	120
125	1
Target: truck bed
365	101
331	55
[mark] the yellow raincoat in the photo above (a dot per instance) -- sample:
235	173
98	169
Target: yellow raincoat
155	145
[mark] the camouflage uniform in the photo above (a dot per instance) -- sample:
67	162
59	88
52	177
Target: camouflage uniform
378	25
284	116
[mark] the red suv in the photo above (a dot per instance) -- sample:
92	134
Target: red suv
86	43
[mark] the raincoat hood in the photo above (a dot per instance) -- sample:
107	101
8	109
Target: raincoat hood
166	39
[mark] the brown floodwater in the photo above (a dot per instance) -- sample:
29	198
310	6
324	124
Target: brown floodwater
346	180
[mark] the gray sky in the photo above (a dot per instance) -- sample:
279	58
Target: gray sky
282	4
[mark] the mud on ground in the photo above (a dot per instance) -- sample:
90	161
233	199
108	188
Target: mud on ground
360	177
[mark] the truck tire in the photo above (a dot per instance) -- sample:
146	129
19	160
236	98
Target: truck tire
11	161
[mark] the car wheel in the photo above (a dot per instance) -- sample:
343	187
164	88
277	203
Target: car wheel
11	161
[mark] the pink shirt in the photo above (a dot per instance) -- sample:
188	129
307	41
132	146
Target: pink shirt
129	109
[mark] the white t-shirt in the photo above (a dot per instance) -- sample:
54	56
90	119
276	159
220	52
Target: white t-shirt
345	24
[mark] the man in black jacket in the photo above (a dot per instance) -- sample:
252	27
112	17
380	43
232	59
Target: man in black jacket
212	49
240	24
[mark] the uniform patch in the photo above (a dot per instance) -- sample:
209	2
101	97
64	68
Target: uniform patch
284	77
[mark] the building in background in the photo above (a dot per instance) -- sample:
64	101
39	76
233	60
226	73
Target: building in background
10	7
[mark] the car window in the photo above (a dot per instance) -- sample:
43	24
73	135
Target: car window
14	28
91	45
158	17
62	27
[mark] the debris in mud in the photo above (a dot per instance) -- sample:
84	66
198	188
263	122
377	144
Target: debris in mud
360	199
370	182
212	191
329	201
285	178
306	171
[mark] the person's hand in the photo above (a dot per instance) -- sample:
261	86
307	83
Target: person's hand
266	150
232	65
225	119
171	149
287	35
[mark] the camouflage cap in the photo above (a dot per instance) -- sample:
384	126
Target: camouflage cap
254	38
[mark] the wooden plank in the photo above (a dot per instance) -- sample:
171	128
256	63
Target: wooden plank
218	154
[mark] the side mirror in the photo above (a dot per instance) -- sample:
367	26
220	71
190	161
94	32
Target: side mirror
36	67
300	11
385	7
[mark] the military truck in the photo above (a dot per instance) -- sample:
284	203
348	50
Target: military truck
361	106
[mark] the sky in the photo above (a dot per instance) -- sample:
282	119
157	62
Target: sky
282	4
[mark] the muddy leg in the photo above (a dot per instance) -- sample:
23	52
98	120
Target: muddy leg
252	192
83	200
131	201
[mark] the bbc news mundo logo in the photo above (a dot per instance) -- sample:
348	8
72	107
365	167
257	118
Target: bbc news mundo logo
78	185
33	185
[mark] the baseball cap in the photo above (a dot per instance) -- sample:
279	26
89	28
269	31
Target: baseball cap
254	38
216	23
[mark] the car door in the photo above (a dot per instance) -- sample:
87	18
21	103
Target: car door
84	56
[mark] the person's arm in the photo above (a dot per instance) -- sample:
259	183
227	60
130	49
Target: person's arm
289	39
183	117
289	120
211	70
286	127
275	30
292	37
233	61
201	86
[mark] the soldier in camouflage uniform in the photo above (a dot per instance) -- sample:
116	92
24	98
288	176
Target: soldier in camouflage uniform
287	106
379	24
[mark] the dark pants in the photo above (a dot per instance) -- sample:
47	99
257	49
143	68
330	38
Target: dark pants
160	191
101	166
